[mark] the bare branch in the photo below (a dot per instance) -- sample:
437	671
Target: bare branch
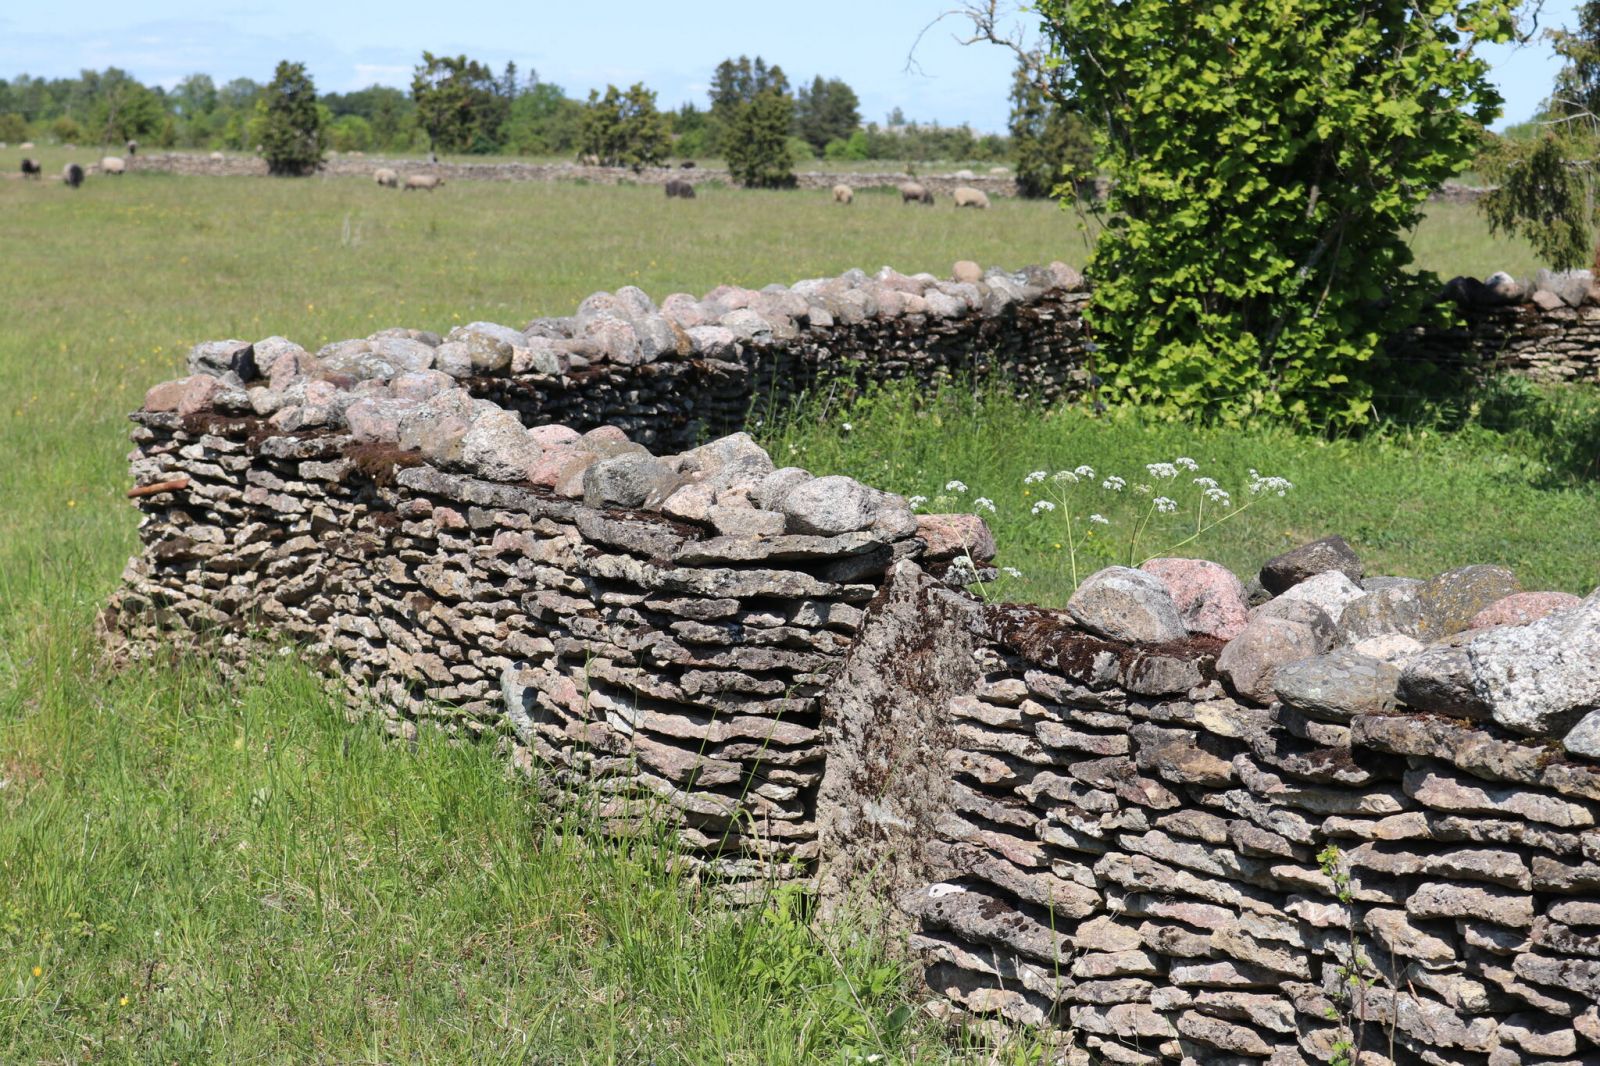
986	22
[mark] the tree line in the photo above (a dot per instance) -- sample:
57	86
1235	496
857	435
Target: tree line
754	117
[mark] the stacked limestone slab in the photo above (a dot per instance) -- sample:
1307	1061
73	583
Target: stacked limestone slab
1114	820
655	630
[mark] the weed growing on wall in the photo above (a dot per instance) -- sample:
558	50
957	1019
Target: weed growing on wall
1268	158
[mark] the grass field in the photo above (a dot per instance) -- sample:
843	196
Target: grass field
194	872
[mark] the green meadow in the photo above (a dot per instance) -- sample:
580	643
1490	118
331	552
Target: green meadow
196	870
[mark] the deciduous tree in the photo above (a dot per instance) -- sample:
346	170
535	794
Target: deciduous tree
624	129
1267	159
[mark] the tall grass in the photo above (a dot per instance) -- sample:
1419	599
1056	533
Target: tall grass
210	872
1509	478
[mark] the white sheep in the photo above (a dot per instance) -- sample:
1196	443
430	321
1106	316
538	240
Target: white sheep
387	177
967	196
423	181
912	192
217	157
112	164
842	194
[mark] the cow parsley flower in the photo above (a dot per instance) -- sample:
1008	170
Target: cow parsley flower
983	503
1010	571
1100	519
917	501
955	486
1113	483
1064	477
1085	472
1219	496
1164	471
1164	505
1035	477
1040	506
1206	482
1259	484
1187	463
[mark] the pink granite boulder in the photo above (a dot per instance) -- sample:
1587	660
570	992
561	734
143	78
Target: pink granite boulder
1520	608
951	535
1209	597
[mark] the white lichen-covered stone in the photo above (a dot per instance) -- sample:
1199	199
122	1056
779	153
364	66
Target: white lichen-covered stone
1541	678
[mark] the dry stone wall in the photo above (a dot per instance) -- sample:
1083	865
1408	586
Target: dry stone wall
1128	841
1168	822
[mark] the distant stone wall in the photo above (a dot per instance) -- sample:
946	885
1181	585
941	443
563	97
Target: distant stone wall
194	163
1113	821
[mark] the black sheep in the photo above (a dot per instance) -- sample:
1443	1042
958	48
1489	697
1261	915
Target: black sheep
681	189
30	169
133	149
72	175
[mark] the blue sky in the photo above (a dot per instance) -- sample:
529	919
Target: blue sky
671	45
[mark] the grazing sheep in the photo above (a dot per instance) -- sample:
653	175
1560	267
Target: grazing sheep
30	169
133	149
589	160
687	164
423	181
386	177
680	189
842	194
913	193
26	146
112	164
967	196
72	174
217	157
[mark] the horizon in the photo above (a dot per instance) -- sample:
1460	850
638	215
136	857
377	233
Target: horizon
949	83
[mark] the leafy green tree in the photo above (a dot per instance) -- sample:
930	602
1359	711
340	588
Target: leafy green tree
854	148
1577	88
544	121
826	111
1267	158
1543	173
350	133
624	129
757	148
459	105
292	128
1544	191
734	85
13	127
1052	143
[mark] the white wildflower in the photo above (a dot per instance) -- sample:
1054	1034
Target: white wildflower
1206	482
1085	472
1041	506
1164	505
1164	471
1259	484
847	427
1100	519
983	503
1143	490
954	486
1010	571
1187	463
1035	477
1219	496
1114	483
1064	476
917	501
